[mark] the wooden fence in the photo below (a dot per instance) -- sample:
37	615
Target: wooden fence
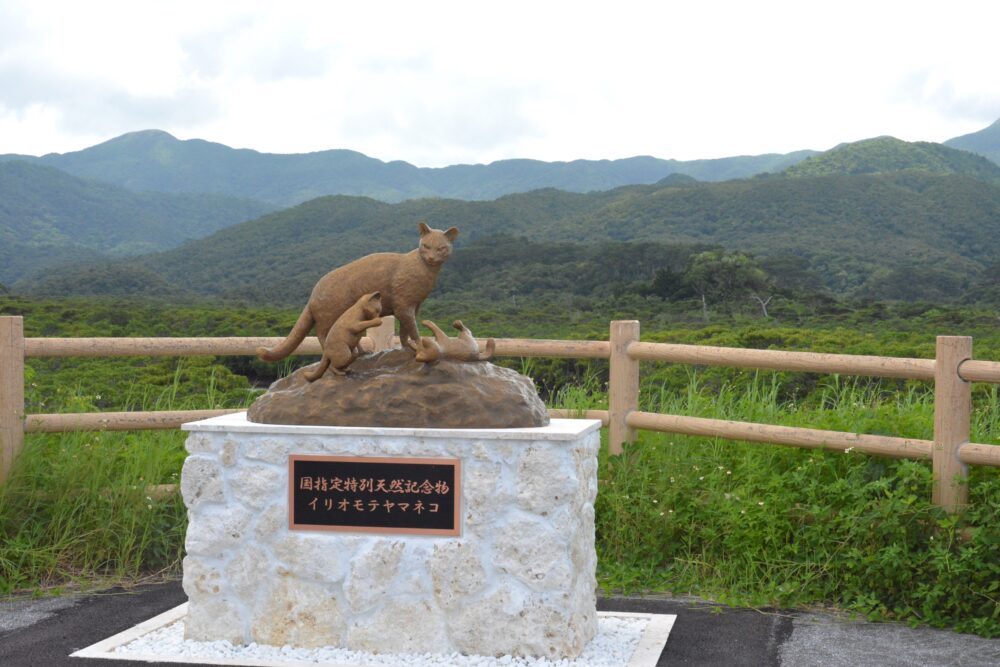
952	371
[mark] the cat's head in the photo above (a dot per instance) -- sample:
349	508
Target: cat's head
427	350
372	305
435	245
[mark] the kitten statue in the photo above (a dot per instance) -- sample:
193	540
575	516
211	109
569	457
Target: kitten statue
341	345
403	280
462	348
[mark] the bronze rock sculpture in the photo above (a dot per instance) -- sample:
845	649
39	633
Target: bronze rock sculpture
402	279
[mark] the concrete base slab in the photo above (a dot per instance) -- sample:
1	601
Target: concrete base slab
646	654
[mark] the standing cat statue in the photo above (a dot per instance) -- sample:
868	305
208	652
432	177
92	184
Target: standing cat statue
461	348
342	342
403	280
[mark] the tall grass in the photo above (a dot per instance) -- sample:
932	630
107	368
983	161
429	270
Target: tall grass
85	508
82	507
767	525
745	523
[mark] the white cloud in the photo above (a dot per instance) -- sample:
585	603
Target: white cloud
437	83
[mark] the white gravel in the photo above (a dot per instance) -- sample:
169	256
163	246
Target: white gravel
613	646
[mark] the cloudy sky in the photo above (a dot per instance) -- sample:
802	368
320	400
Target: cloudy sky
437	83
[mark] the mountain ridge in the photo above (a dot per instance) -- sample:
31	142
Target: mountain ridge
985	142
887	154
154	160
48	217
853	230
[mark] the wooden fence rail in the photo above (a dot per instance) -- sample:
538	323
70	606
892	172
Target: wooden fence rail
233	346
952	371
780	360
808	438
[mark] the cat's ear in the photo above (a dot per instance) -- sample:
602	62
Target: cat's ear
375	295
424	229
452	234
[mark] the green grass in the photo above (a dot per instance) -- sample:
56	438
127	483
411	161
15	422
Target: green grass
764	525
749	524
743	523
81	509
78	509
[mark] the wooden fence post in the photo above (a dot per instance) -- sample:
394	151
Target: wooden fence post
382	336
952	422
11	391
623	384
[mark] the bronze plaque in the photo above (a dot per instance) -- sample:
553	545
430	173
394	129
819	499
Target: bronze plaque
374	494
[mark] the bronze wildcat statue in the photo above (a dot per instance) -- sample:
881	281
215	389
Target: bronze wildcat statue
462	348
341	345
403	280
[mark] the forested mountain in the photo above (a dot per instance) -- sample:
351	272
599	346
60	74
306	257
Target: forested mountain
880	218
985	142
104	278
880	234
153	160
48	217
888	154
156	161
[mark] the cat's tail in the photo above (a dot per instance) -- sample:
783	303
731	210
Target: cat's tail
292	340
491	347
317	372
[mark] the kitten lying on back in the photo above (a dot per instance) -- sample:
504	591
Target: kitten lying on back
462	348
403	280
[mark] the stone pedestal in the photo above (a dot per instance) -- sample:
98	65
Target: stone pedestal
519	579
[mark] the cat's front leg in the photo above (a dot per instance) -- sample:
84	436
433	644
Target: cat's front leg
360	328
408	328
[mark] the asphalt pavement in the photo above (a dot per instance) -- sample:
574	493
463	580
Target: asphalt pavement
43	632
